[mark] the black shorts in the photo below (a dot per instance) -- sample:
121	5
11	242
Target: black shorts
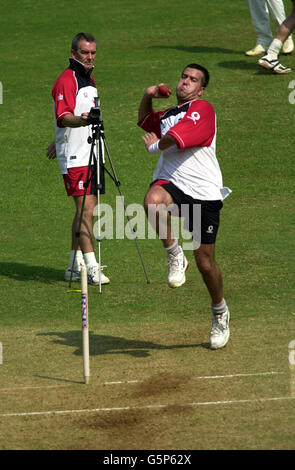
201	218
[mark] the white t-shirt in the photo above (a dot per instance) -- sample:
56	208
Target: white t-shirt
73	93
191	164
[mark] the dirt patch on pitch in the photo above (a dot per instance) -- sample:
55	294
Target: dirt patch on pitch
160	383
113	420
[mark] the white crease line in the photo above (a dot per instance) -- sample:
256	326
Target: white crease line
238	375
120	382
146	407
208	377
11	389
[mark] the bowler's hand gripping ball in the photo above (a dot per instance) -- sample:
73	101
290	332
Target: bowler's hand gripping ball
164	90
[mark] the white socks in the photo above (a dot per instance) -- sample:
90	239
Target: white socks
219	309
90	259
275	48
174	249
87	259
78	260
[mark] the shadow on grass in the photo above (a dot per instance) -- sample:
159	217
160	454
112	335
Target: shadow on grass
25	272
245	64
199	49
103	344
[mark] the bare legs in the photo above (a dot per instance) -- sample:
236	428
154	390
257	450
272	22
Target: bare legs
158	198
86	233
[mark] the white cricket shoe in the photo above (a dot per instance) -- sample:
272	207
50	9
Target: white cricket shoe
93	276
177	265
219	334
288	46
273	64
257	50
75	277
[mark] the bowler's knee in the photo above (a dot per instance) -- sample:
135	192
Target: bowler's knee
153	200
205	262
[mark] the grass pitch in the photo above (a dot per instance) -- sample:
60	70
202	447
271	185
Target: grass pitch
154	383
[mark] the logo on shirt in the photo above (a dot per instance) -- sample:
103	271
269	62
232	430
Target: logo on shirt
60	97
210	229
194	117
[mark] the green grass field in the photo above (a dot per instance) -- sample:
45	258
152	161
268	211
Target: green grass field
154	382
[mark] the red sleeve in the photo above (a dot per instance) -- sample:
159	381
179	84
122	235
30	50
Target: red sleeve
151	123
197	128
64	95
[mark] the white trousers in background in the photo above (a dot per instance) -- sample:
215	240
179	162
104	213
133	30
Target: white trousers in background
259	10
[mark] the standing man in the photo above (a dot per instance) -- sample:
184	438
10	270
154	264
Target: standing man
270	61
187	173
260	10
73	94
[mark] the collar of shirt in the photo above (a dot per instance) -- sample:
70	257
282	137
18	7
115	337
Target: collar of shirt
79	67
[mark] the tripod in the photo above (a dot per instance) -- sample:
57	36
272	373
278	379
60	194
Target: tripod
98	141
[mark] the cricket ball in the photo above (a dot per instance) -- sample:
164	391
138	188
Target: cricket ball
164	90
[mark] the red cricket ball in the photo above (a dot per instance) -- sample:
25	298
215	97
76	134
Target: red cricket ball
164	90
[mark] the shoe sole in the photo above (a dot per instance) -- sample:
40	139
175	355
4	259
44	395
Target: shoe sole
255	55
180	283
283	72
219	346
103	283
272	69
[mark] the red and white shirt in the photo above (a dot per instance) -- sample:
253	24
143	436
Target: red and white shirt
73	93
191	164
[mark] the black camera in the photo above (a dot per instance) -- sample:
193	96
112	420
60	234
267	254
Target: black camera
94	113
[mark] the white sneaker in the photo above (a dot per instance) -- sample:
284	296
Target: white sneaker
257	50
177	265
273	64
75	277
288	46
219	334
93	276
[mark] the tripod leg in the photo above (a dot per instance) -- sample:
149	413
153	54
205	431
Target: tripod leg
98	165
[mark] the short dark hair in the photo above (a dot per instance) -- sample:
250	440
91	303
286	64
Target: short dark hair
87	36
202	69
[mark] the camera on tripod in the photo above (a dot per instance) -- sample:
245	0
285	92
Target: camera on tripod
94	113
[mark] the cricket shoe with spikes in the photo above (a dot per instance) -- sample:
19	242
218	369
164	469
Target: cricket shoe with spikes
93	276
273	64
219	334
177	266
